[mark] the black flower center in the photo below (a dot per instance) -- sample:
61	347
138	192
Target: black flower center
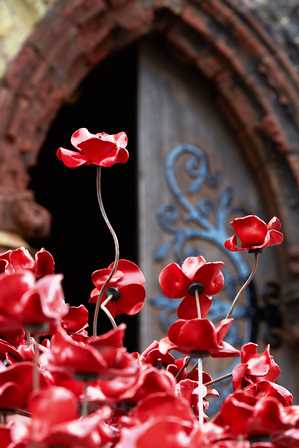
114	292
196	287
255	251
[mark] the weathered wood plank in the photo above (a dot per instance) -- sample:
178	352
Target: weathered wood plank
176	107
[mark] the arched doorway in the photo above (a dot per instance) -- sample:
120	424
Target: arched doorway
218	41
79	238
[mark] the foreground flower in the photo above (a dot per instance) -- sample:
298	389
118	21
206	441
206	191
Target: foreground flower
249	415
16	385
254	367
76	320
31	302
188	389
169	432
20	259
99	149
153	356
98	356
195	274
126	288
198	338
252	233
55	422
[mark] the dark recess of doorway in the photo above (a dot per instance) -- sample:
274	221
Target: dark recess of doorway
106	100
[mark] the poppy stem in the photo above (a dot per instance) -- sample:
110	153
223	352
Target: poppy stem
200	395
107	300
184	366
27	334
109	315
35	373
116	257
217	380
244	286
84	406
197	304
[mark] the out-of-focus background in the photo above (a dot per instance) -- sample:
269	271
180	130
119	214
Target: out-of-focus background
208	92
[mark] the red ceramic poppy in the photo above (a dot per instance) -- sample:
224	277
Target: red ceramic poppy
188	389
252	233
287	439
199	337
55	422
254	367
99	149
162	405
31	302
152	381
75	357
98	356
169	432
181	282
16	385
76	320
263	389
20	259
153	356
126	287
5	437
248	415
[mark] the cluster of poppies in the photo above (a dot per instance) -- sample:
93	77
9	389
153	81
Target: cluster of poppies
60	387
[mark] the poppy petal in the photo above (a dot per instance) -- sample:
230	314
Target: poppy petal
71	159
250	229
173	281
191	265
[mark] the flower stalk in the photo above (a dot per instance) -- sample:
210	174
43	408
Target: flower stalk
199	370
116	248
244	286
219	379
109	315
84	406
35	374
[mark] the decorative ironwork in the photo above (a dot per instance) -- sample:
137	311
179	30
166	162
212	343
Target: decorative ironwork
198	225
190	219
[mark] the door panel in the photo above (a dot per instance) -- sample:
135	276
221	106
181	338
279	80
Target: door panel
192	180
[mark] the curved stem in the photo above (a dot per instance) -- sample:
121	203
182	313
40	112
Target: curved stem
35	377
200	390
109	315
199	371
217	380
184	366
248	281
84	406
116	247
103	307
12	411
197	304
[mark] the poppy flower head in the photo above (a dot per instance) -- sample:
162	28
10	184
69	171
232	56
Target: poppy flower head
196	275
126	288
101	149
20	259
153	356
253	234
199	338
254	367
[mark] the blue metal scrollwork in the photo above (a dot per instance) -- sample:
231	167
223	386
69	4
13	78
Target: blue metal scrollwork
190	219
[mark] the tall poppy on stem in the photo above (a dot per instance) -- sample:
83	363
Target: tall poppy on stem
101	150
252	234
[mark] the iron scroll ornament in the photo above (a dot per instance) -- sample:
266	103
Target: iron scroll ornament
188	222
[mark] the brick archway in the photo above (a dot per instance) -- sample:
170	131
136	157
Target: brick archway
255	85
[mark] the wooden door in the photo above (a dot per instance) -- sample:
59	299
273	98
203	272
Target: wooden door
192	180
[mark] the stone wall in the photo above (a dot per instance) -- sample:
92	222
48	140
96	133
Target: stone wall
17	19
